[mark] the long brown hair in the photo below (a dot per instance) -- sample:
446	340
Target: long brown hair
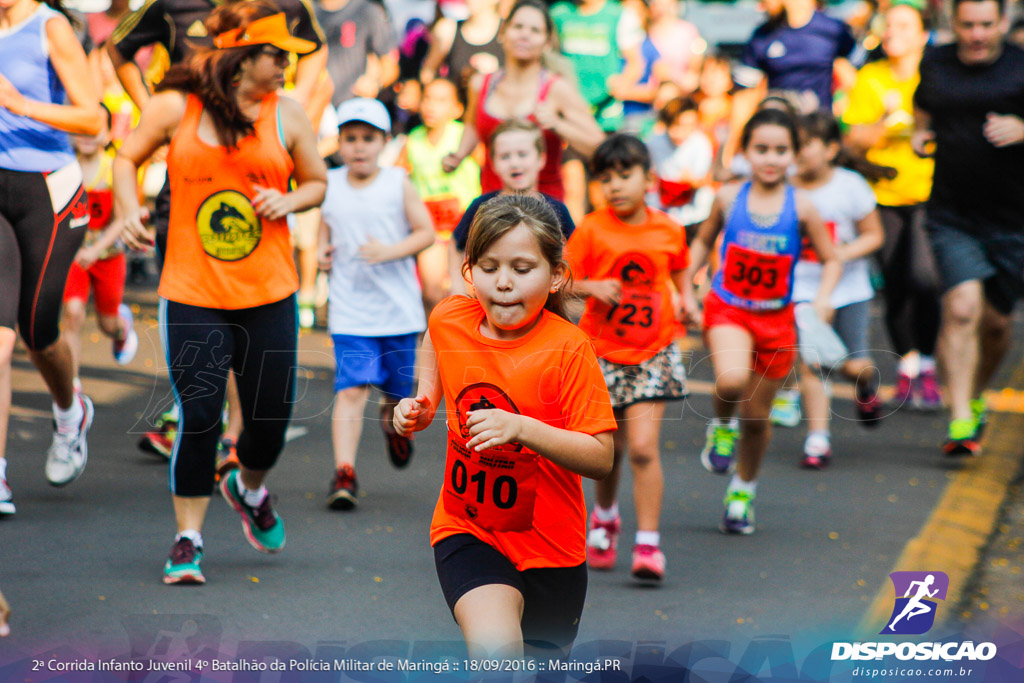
505	213
211	74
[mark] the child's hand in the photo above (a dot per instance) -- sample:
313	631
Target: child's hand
271	203
325	257
86	257
408	413
823	308
688	312
547	115
608	292
492	428
450	162
375	252
922	142
136	235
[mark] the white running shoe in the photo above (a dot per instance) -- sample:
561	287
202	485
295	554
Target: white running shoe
69	452
6	503
124	351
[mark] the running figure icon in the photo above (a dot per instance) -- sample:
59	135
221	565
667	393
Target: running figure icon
916	606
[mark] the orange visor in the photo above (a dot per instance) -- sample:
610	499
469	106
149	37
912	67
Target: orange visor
272	30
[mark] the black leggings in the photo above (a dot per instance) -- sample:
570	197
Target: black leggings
38	243
202	344
912	285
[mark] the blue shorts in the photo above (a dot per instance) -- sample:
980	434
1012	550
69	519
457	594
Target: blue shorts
388	363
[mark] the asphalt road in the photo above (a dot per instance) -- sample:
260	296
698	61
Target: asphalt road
81	566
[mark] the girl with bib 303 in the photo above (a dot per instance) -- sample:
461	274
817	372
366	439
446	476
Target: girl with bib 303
46	92
227	291
528	413
749	327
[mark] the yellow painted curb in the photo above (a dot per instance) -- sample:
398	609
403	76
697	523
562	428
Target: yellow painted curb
952	539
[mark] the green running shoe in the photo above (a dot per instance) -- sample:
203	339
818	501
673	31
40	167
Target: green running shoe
262	527
182	566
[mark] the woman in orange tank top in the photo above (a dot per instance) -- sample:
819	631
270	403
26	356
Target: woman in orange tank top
227	291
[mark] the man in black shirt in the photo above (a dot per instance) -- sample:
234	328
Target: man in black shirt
970	106
178	24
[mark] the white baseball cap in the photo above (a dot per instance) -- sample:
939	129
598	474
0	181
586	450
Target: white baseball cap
366	110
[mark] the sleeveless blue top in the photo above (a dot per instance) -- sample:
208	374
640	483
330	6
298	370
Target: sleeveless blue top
757	262
26	144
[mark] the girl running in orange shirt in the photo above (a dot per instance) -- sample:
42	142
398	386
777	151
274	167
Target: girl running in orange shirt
625	258
749	327
527	414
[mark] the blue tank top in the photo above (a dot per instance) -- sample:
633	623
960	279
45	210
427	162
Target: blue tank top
757	262
26	144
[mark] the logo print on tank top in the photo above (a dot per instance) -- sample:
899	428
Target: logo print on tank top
228	226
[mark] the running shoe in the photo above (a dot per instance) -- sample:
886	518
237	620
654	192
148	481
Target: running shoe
262	527
904	394
182	567
399	447
68	453
979	408
125	349
344	489
6	499
602	542
817	454
963	439
785	411
926	394
717	454
869	407
648	562
161	440
739	513
227	457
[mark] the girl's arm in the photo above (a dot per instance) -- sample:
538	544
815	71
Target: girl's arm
324	248
157	125
703	243
455	259
831	267
83	115
441	39
310	172
420	237
416	414
870	238
589	455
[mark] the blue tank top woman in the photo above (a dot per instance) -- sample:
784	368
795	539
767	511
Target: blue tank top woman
758	260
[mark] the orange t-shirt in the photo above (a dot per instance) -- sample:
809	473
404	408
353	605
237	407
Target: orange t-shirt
220	253
642	257
525	506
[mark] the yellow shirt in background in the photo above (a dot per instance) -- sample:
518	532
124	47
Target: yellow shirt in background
877	94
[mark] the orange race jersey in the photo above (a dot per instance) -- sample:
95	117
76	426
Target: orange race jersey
642	257
220	253
528	508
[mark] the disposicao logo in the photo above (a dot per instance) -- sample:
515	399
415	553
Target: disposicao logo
917	596
914	612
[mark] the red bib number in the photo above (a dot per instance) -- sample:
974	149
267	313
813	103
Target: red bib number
755	275
494	489
445	213
101	206
636	320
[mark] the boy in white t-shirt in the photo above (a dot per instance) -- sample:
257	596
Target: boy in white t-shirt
373	226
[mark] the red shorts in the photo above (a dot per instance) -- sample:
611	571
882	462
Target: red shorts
106	277
774	333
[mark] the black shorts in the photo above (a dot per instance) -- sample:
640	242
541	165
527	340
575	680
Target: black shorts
553	597
965	251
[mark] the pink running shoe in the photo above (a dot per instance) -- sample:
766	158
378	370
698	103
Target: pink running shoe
904	392
602	542
927	396
648	562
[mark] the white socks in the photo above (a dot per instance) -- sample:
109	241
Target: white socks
748	487
648	538
606	515
192	535
252	498
68	421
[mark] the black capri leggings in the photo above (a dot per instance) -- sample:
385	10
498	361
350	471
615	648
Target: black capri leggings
912	285
202	344
38	243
